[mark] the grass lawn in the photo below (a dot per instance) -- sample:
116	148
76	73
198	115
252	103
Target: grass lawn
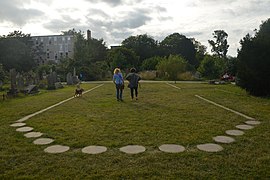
162	115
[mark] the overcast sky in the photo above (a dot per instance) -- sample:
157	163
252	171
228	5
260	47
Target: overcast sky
116	20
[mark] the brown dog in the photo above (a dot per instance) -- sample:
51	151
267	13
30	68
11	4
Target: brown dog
78	92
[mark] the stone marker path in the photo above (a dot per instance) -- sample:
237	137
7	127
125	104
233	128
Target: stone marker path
56	149
234	132
43	141
94	149
24	129
223	139
135	149
33	134
17	124
244	127
171	148
210	147
132	149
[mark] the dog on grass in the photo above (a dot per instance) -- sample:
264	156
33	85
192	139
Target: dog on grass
78	92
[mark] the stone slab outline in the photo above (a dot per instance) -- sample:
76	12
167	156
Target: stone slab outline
223	107
57	104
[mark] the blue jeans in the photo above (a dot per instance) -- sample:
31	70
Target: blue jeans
119	91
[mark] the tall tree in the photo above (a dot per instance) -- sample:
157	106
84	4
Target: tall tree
123	58
143	45
16	51
220	45
178	44
200	51
254	62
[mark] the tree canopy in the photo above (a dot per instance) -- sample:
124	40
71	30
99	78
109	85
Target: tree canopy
254	62
220	45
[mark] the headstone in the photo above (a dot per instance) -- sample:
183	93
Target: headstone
69	79
31	89
58	85
20	82
51	78
1	84
13	87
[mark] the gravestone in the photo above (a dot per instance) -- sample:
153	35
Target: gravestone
52	79
20	82
31	89
1	85
69	79
13	87
58	85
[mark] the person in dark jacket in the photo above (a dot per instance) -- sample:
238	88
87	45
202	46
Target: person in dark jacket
133	79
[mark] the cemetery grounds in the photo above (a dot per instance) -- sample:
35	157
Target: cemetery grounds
164	114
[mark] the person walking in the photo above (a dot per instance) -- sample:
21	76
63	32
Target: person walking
118	80
133	79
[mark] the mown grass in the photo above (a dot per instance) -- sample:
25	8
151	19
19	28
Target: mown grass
162	115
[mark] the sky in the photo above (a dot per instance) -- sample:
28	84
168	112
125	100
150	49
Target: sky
116	20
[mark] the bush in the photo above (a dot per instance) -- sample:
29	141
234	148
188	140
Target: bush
148	75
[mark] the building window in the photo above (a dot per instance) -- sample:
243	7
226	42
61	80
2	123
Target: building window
66	54
48	55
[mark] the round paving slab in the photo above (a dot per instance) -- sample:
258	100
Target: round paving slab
223	139
244	127
33	134
42	141
94	149
132	149
24	129
253	122
171	148
234	132
56	149
17	124
210	147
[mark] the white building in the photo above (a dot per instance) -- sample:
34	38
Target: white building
53	47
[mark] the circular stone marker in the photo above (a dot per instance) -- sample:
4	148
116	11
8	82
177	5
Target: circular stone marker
24	129
210	147
171	148
253	122
132	149
244	127
234	132
94	149
56	149
33	134
223	139
42	141
17	124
